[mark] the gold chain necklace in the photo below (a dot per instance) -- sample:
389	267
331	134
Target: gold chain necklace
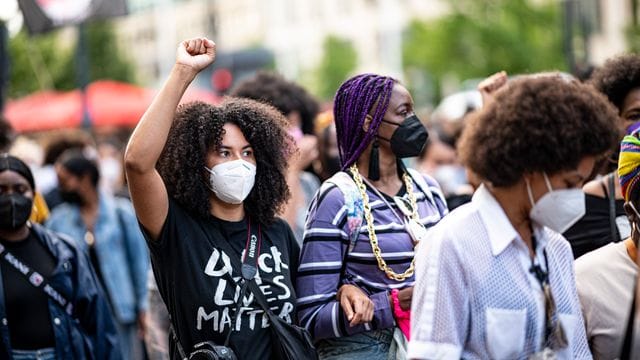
373	238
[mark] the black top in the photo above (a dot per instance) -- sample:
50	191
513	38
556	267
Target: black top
190	272
27	307
594	229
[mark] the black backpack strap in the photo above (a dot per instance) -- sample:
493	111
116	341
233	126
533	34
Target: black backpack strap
38	281
615	235
628	337
174	337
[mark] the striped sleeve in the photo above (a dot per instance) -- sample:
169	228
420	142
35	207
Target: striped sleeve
319	272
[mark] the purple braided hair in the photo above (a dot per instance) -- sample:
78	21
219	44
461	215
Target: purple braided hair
355	98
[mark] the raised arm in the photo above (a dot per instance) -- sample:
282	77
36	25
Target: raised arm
148	192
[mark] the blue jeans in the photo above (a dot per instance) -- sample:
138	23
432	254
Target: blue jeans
370	345
41	354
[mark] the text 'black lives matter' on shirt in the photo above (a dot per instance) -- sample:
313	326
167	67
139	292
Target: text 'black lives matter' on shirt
191	271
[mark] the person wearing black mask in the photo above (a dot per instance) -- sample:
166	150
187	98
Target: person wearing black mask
606	277
51	305
107	229
605	220
356	274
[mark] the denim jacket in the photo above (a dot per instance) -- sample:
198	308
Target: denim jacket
90	333
120	248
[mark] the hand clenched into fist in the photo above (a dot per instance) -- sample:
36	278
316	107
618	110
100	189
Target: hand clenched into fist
197	53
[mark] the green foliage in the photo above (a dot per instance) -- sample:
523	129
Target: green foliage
338	61
632	34
46	62
38	63
481	37
105	58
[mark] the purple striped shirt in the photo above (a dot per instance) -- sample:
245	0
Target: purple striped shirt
326	240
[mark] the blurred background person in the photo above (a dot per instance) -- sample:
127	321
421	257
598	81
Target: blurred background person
605	220
110	159
328	161
436	154
35	325
606	277
497	281
439	160
106	228
300	109
55	145
156	336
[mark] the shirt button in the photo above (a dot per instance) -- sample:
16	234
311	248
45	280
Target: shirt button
4	321
56	321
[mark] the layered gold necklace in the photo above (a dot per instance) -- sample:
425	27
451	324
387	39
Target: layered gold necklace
373	238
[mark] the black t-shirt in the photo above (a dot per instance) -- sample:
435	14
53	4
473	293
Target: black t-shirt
26	306
189	266
593	230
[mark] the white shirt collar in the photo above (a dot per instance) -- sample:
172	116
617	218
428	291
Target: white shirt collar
501	231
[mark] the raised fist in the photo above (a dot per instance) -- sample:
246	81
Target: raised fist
197	53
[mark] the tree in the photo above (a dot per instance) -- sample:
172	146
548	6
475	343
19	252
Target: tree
105	58
480	37
38	63
338	61
46	62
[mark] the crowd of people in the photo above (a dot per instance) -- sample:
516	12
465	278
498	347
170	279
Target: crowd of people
272	227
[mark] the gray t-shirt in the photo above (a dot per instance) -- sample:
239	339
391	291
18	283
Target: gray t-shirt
605	280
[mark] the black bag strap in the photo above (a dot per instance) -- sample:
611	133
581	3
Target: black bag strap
37	280
174	337
628	338
254	240
259	296
615	235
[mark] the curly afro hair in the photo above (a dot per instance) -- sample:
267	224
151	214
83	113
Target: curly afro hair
617	77
284	95
539	124
198	129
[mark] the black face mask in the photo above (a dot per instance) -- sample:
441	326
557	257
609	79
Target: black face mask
409	138
14	211
71	197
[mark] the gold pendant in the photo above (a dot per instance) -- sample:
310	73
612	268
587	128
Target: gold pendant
89	238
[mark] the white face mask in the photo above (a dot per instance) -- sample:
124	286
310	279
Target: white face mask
232	181
557	209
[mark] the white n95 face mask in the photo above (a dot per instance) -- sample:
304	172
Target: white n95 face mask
557	209
232	181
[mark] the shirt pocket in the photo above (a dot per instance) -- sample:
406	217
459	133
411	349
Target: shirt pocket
505	329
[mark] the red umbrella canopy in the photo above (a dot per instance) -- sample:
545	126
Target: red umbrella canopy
113	103
109	103
45	110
